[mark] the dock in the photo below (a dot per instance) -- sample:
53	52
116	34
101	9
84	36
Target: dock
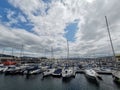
100	72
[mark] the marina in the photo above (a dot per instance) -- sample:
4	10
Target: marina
57	69
59	45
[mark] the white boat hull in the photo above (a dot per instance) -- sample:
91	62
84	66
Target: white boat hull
48	72
67	73
92	75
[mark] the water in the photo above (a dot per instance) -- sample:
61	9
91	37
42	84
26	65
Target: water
36	82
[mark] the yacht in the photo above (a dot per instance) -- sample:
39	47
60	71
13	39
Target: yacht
2	67
68	72
12	69
32	70
48	72
116	76
92	75
57	72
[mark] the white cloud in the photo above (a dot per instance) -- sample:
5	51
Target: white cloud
90	1
21	18
91	37
12	20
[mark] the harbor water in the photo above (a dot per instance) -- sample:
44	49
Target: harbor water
36	82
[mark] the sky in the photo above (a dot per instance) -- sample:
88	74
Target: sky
39	25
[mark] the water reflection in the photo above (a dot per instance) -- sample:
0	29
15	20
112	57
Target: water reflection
91	81
31	76
67	80
117	84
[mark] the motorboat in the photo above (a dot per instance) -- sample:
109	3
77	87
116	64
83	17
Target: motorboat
57	72
105	70
32	70
2	67
92	75
48	72
12	69
116	76
22	69
44	68
36	71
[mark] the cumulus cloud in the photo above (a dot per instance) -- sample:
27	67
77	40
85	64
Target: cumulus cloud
49	20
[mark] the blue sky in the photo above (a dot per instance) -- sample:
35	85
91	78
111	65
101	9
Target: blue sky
71	31
5	7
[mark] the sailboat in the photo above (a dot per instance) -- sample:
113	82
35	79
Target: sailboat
115	73
68	72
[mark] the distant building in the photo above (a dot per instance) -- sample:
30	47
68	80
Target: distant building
4	57
118	60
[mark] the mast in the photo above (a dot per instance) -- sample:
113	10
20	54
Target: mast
21	53
44	52
2	54
52	54
12	51
67	50
110	40
12	54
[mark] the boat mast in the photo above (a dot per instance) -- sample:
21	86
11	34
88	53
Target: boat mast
12	51
67	50
110	40
21	53
52	54
12	54
44	52
2	54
